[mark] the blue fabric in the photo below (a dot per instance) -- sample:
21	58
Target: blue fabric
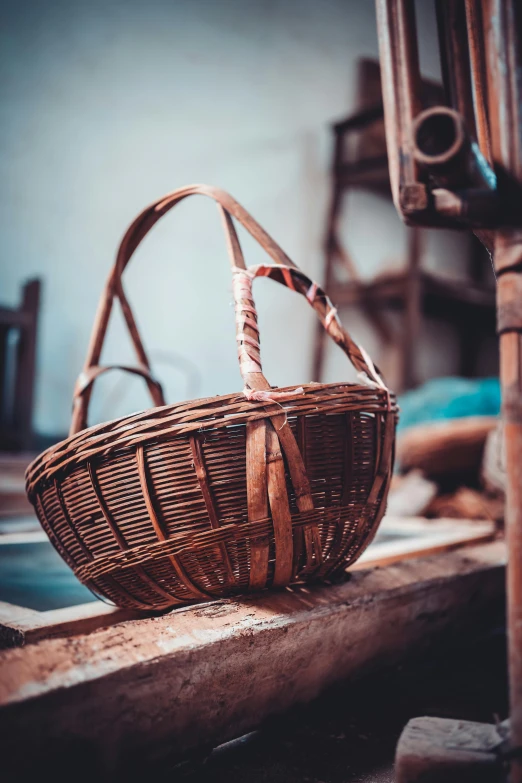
449	398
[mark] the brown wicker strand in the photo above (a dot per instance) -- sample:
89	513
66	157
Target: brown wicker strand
119	538
157	551
201	473
279	508
193	589
74	532
207	413
257	500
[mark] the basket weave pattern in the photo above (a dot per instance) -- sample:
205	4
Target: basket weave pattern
226	494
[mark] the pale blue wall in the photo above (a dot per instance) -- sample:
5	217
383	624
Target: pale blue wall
106	105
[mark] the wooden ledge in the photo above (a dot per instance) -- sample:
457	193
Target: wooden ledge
207	674
411	537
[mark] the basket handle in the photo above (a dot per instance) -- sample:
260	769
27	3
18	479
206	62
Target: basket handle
285	272
87	377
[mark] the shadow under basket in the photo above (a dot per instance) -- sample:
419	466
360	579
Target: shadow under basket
223	495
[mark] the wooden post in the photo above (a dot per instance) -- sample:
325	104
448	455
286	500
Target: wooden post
503	44
494	46
401	86
413	309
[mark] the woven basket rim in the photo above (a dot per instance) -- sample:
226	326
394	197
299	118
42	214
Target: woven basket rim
176	419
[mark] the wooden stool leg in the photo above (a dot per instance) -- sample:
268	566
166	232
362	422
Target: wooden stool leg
503	45
412	310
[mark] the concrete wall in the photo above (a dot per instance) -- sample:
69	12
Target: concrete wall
105	105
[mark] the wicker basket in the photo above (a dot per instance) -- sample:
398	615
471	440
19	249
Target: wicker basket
225	494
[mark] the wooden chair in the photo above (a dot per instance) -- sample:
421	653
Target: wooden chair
360	162
18	329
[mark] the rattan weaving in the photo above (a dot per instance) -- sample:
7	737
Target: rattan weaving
226	494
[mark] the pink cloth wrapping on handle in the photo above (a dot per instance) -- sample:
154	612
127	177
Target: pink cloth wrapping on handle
270	395
248	349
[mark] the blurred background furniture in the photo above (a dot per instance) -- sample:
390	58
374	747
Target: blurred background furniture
18	329
459	164
360	162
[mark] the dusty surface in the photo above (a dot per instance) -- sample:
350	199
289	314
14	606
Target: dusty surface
349	734
144	694
365	600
